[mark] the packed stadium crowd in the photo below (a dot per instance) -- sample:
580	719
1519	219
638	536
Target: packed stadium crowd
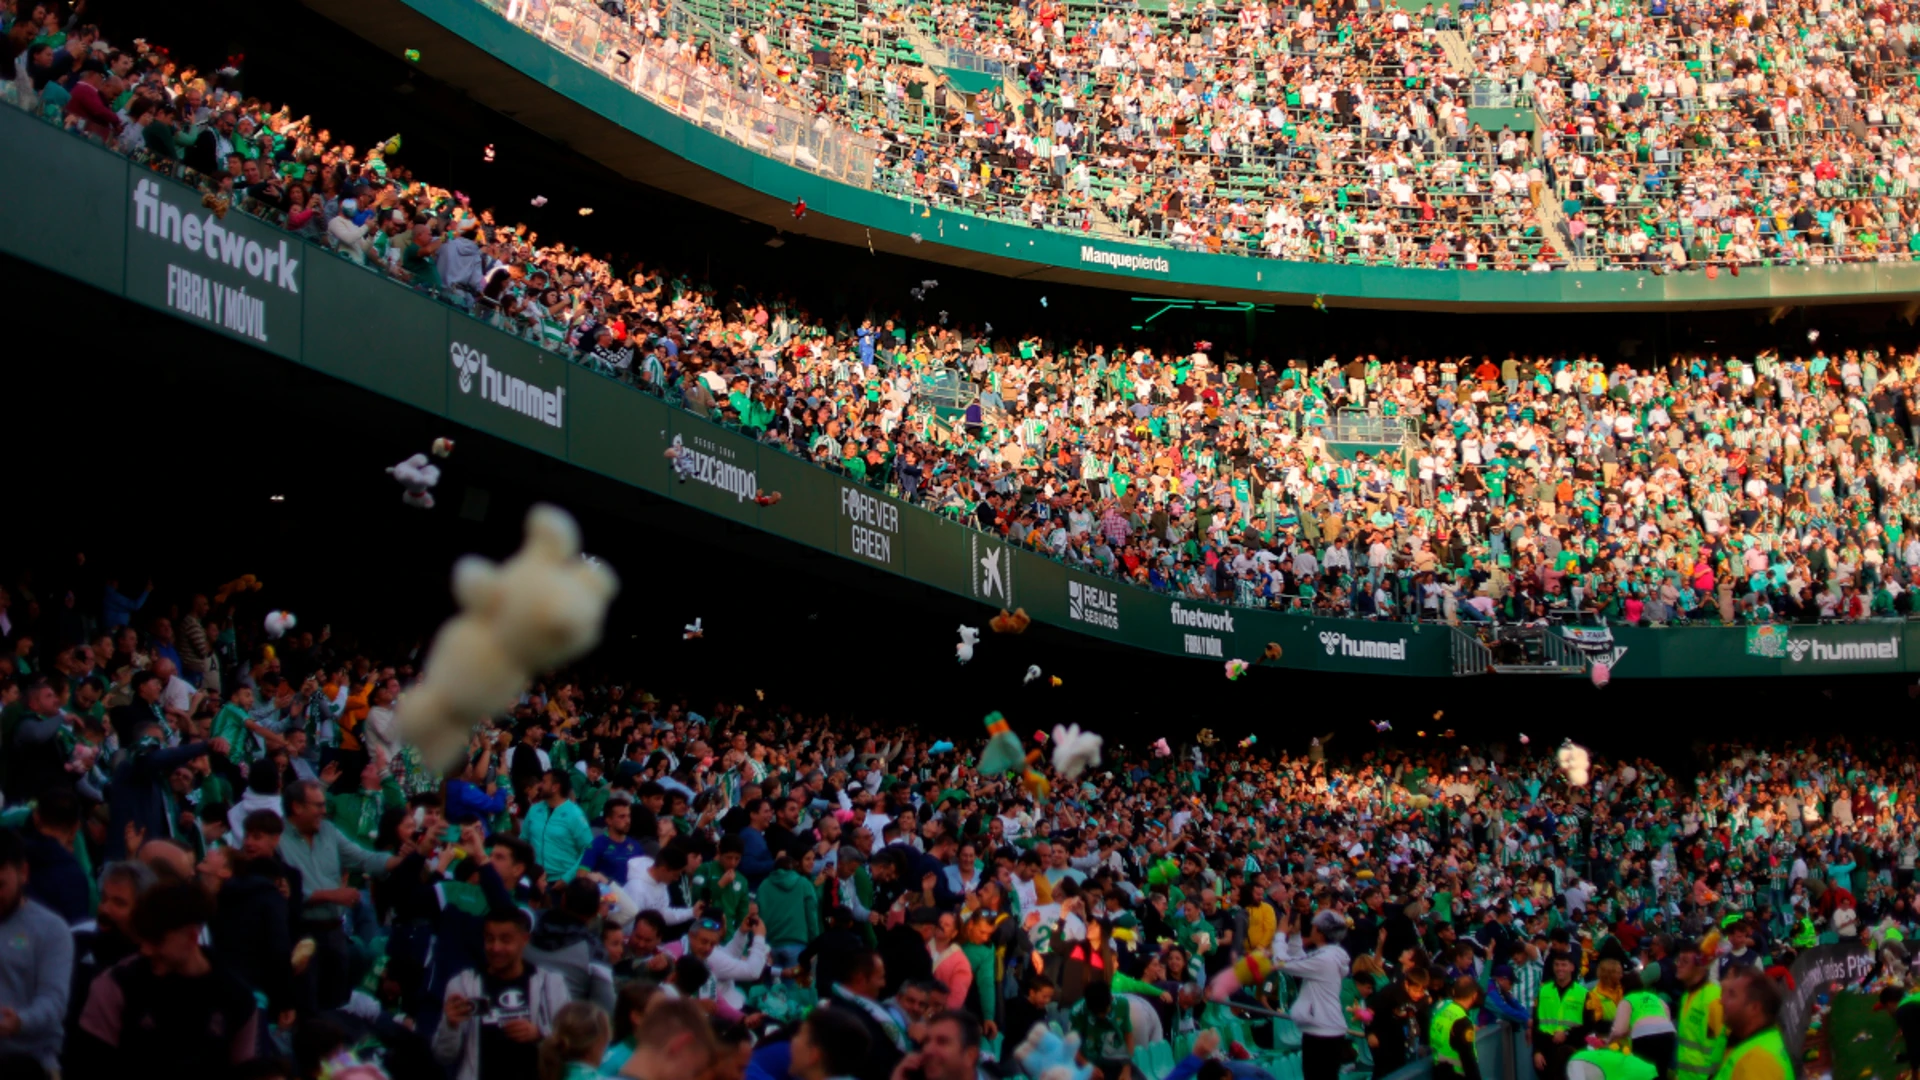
1772	486
215	850
1663	137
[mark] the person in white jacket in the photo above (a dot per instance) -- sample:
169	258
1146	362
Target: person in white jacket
742	960
508	993
648	877
1319	964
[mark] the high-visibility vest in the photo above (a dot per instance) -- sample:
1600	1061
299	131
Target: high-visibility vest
1561	1010
1643	1004
1804	935
1699	1053
1440	1035
1767	1042
1614	1065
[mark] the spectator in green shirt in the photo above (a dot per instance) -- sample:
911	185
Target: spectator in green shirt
557	827
1106	1032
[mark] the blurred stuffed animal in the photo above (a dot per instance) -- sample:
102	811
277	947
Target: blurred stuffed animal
442	448
1033	673
538	610
1003	750
692	631
278	623
1250	970
1235	669
417	476
1574	762
1010	622
1074	751
1161	749
1273	652
243	583
969	637
1044	1055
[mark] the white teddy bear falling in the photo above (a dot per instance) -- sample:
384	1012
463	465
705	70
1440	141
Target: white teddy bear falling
538	610
417	476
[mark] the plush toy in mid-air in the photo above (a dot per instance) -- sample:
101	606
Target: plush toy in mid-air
1574	763
682	458
417	476
1250	970
941	747
1161	749
442	448
278	623
1010	622
1249	742
534	612
1033	673
1044	1055
1382	726
1003	750
1074	751
1273	652
766	498
969	637
243	583
1235	669
692	631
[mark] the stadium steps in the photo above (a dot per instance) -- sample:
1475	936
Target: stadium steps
1454	44
1553	227
932	54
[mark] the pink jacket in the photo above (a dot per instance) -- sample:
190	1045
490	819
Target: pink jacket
954	972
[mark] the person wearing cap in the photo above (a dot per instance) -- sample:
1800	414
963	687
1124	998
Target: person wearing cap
1701	1032
1757	1049
1502	1000
348	237
1320	971
1558	1018
1450	1035
461	263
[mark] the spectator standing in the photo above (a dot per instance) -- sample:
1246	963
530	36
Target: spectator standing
172	1003
496	1015
316	848
557	827
1321	968
36	964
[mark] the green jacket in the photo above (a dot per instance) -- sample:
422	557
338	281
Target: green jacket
729	905
358	814
231	724
592	797
790	907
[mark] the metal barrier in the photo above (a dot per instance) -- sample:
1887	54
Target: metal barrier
1560	652
1470	655
1352	425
